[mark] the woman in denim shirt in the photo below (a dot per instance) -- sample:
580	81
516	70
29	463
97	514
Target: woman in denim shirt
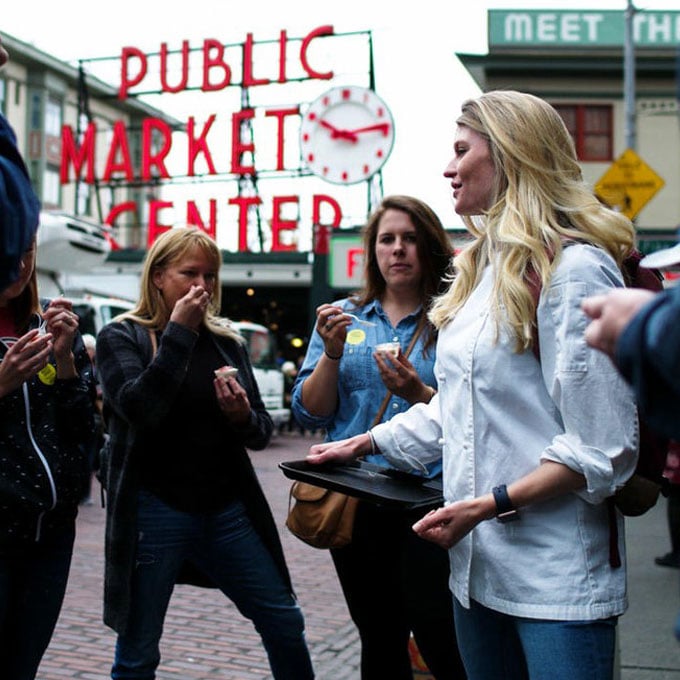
539	437
395	583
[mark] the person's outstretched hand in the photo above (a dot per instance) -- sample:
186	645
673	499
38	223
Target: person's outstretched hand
341	451
610	314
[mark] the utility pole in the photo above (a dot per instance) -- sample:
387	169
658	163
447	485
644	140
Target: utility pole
629	77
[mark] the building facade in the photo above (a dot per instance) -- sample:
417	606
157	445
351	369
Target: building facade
576	61
573	59
39	95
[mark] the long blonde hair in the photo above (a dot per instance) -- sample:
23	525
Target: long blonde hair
168	249
540	201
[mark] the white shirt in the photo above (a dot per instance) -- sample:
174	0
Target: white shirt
497	415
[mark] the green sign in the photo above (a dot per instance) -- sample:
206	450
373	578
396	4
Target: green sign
585	28
346	261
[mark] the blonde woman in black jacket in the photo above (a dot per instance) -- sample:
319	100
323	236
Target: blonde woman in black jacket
184	504
46	418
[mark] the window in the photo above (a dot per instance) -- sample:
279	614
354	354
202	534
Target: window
51	184
53	130
3	96
51	187
84	194
591	129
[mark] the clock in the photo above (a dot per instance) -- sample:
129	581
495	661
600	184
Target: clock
346	135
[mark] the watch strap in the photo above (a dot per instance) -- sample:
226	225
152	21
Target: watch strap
505	510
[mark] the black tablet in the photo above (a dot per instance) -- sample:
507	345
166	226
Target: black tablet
384	486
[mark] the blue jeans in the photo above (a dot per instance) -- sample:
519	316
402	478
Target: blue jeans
226	548
33	576
497	646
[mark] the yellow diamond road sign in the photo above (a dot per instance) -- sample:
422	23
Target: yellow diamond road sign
628	184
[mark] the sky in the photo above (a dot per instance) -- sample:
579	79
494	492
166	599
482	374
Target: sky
416	70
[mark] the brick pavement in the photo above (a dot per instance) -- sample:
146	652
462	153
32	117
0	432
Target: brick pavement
205	636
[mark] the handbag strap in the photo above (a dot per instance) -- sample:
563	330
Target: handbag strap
411	345
381	410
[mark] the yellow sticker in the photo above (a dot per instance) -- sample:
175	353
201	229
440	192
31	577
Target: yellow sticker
48	375
356	336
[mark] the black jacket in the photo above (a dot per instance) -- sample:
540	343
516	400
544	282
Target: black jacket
45	426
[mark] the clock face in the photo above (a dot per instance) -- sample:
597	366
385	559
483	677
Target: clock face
346	135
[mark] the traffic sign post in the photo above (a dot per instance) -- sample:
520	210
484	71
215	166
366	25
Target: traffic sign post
628	185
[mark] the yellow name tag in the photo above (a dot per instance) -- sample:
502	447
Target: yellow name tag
356	336
48	375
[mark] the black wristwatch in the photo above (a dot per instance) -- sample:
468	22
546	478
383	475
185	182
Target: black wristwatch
505	510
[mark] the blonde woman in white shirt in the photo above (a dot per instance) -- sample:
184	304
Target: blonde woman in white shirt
533	437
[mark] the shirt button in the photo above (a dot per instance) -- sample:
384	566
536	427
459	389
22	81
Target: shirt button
395	406
395	338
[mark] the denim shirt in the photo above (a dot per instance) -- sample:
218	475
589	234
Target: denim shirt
360	389
499	414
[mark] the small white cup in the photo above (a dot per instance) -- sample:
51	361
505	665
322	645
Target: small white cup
226	372
388	348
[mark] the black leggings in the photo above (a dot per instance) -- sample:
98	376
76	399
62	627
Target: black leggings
395	584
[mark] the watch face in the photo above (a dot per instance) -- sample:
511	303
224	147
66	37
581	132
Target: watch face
346	135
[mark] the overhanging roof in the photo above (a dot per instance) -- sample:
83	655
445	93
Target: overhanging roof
578	64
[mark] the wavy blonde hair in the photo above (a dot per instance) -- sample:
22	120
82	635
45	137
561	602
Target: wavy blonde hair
540	201
168	249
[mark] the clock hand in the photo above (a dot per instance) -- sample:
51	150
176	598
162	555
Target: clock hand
382	127
336	133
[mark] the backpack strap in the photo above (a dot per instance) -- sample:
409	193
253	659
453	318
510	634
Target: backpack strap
636	276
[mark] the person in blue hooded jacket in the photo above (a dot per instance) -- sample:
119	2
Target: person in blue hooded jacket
19	206
640	333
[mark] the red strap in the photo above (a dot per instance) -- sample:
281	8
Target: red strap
534	285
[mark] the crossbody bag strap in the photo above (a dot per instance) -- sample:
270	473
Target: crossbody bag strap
381	410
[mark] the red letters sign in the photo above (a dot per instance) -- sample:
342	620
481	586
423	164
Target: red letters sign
171	74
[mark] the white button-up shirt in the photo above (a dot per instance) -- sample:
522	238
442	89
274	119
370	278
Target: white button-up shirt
497	415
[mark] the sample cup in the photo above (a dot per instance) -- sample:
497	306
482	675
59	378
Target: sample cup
388	348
